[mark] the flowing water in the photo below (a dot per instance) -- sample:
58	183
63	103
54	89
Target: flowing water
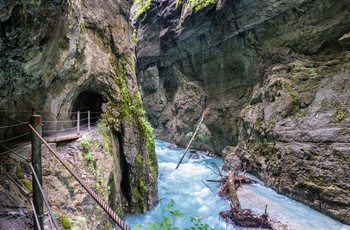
193	197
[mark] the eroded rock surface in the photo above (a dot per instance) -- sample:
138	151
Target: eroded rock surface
301	150
61	57
273	78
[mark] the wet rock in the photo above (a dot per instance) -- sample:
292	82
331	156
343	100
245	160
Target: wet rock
273	78
304	153
172	146
216	56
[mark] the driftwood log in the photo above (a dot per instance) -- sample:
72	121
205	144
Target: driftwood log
237	215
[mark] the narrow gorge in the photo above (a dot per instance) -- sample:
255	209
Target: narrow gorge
272	76
60	57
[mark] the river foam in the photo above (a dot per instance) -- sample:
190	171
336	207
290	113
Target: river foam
195	197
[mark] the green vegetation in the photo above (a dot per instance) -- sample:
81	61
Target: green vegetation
265	148
100	182
134	35
142	7
19	172
65	222
196	4
204	134
86	144
105	132
340	115
295	106
340	109
129	111
168	223
28	184
78	222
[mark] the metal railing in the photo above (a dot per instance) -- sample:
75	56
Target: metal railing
36	167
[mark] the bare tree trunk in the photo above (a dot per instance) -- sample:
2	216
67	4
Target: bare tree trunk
235	204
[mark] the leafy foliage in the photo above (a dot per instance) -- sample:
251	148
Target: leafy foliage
65	222
198	224
169	223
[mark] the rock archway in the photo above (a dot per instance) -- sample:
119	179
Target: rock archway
88	101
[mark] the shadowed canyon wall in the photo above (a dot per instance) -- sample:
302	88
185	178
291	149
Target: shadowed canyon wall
273	78
61	56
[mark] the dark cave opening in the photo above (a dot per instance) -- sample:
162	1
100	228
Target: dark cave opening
88	102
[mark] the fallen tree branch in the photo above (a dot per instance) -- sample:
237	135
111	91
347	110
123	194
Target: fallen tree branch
238	215
188	146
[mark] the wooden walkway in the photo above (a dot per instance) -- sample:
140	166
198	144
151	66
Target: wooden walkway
66	136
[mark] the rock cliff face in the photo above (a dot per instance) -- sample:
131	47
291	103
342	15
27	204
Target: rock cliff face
60	57
273	77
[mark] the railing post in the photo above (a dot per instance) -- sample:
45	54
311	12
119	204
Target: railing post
35	121
78	122
88	120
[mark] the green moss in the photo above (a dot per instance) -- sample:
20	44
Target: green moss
140	193
188	136
139	159
319	181
19	172
340	115
142	7
295	106
86	144
134	35
265	148
130	106
105	131
147	131
129	109
140	188
99	183
65	222
81	27
28	184
196	4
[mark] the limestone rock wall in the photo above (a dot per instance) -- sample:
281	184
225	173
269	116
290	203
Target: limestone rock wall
272	76
189	61
52	52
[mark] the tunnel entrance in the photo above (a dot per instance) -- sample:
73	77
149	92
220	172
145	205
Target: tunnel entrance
88	101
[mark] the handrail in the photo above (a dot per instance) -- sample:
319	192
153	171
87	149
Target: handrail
35	214
26	194
9	126
13	138
12	151
44	197
100	202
